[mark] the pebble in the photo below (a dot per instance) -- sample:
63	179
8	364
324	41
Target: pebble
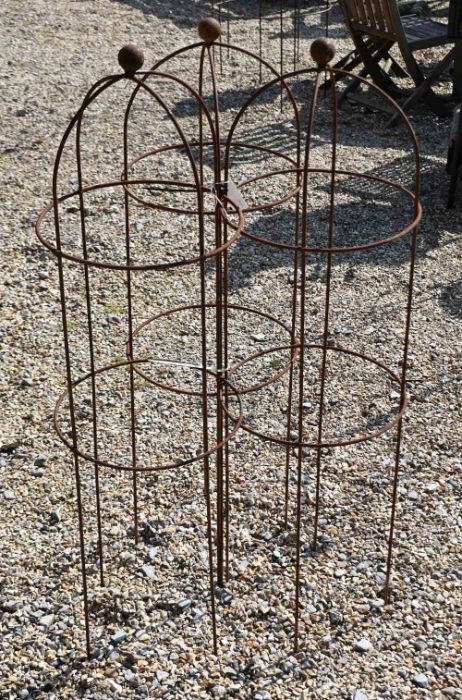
224	596
40	461
421	680
55	517
262	695
9	495
359	695
11	606
118	637
47	620
363	645
148	571
335	618
114	686
152	553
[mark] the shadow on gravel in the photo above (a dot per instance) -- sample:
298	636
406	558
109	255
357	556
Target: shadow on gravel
248	257
184	13
451	298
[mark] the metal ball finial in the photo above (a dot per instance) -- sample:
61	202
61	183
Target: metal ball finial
322	51
209	30
131	58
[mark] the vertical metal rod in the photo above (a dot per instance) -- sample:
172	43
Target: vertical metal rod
130	337
213	15
91	347
99	87
293	336
295	32
205	433
326	307
219	344
281	52
226	398
72	417
203	298
221	48
386	592
260	37
228	28
302	354
299	29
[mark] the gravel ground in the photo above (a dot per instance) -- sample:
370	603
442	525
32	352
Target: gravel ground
151	628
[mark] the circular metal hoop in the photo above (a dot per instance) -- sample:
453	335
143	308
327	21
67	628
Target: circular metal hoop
241	185
342	442
352	248
145	470
58	252
239	391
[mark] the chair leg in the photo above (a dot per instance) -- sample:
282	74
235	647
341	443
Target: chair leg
423	85
351	87
370	62
452	190
348	63
397	70
381	52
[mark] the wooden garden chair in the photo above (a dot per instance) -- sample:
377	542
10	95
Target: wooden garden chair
381	21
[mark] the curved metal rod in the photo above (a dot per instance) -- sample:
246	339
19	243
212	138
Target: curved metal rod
170	312
141	470
335	443
115	266
350	249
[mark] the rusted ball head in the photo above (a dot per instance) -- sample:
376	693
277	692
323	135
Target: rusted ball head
209	30
131	58
322	51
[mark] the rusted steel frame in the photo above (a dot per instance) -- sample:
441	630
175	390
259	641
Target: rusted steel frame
334	249
241	185
326	308
353	248
206	51
199	192
301	362
403	398
91	95
141	469
130	331
90	343
333	443
221	300
241	391
116	266
294	192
